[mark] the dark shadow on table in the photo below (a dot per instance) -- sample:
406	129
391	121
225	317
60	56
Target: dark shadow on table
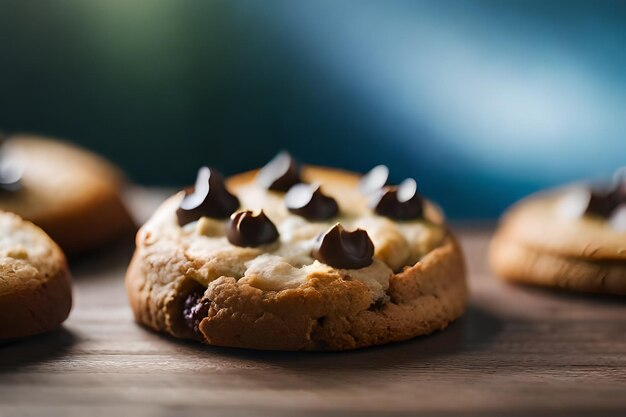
565	295
21	353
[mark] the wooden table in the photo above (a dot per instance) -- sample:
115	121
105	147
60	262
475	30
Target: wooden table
517	351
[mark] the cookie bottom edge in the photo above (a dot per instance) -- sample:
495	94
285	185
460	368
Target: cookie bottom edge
513	261
438	297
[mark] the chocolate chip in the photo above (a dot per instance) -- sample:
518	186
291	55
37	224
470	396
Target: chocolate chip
400	202
604	201
601	204
308	201
247	229
280	174
208	198
374	180
10	171
340	248
195	309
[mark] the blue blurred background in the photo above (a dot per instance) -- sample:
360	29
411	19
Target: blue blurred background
480	101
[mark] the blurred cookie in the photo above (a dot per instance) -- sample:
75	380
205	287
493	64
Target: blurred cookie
296	259
35	292
572	238
69	192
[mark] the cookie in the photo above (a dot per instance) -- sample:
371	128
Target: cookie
69	192
35	292
572	238
291	258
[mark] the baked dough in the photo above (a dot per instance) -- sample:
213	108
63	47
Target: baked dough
69	192
538	242
277	296
35	292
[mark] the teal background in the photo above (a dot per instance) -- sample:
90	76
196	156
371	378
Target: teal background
481	101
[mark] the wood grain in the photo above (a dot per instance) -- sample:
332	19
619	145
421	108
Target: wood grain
517	351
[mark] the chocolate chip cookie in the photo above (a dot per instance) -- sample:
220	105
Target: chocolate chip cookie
69	192
35	292
572	238
297	258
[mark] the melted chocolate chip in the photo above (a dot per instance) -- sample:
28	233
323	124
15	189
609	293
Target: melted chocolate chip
340	248
400	202
280	174
603	202
374	180
10	171
247	229
308	201
208	198
195	310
